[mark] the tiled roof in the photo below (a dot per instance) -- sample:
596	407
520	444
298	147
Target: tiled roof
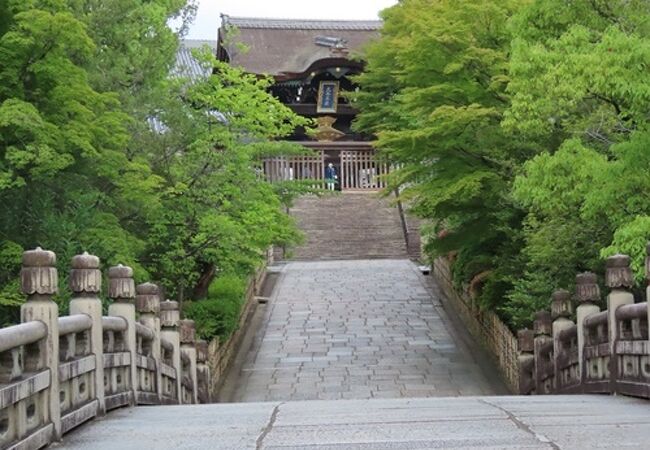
284	47
292	24
186	65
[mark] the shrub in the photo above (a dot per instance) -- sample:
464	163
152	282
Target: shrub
218	315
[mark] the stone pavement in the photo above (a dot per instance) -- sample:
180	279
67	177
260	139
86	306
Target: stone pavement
356	330
542	422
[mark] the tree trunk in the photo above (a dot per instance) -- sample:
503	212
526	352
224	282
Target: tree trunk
200	291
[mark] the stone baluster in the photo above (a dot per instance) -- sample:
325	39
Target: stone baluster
169	321
526	361
202	372
543	330
86	284
587	296
121	290
188	338
147	302
561	311
39	281
619	278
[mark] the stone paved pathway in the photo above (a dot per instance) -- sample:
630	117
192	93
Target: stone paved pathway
544	422
355	330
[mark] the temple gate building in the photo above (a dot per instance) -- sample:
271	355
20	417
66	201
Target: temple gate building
312	62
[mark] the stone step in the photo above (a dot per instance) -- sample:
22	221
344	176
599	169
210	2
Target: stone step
349	226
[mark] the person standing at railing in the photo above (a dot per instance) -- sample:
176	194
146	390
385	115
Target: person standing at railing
331	176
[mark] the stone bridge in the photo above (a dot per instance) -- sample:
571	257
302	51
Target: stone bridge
339	362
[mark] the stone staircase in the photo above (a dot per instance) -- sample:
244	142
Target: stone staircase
349	226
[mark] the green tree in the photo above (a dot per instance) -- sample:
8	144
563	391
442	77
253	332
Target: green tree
580	83
218	214
83	168
64	175
434	92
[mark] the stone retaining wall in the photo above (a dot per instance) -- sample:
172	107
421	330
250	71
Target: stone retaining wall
221	354
485	326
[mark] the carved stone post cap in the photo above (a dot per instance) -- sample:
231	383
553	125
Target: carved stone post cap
120	271
188	331
147	289
543	323
618	273
120	283
85	276
526	339
201	351
85	261
561	295
169	314
169	305
147	299
587	289
586	278
39	258
561	304
618	261
38	274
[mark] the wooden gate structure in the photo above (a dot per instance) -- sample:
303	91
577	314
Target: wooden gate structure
355	163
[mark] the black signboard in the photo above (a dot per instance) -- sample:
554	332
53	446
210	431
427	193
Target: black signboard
328	97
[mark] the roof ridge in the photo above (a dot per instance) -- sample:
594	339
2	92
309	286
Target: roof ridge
310	24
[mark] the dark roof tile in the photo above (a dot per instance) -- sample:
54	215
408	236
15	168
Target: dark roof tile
282	47
300	24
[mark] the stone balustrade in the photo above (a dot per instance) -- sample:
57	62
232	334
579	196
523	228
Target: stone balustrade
58	372
590	351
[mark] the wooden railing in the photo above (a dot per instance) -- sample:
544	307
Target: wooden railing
357	168
602	351
59	372
360	170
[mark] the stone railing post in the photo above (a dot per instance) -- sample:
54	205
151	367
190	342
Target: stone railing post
202	372
121	290
147	302
39	281
619	278
169	321
526	361
561	311
587	296
86	284
188	338
543	330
